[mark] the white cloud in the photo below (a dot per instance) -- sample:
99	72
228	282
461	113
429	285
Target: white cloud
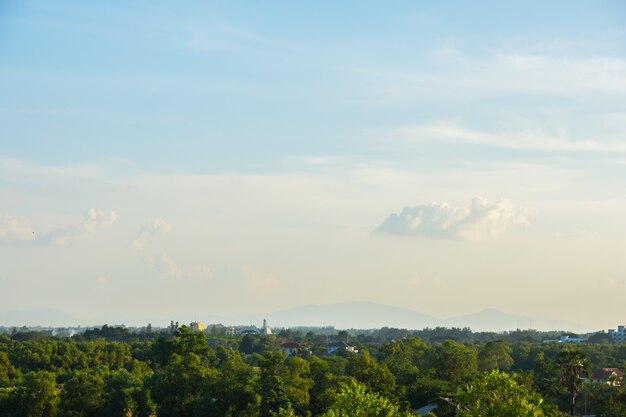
29	172
13	229
94	221
259	279
172	267
414	281
200	273
164	264
102	281
246	278
482	221
456	75
528	139
158	227
563	74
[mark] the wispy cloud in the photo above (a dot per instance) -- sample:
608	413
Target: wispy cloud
13	229
23	171
200	273
451	132
94	221
482	221
551	74
102	281
247	278
414	281
167	265
452	73
158	227
172	267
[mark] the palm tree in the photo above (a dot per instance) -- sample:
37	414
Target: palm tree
573	363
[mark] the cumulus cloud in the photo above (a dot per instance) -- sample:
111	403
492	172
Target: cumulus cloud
13	229
482	221
158	227
94	221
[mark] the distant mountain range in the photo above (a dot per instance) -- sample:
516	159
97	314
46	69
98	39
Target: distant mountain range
346	315
369	315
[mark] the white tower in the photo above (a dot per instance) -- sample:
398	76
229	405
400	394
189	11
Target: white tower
266	329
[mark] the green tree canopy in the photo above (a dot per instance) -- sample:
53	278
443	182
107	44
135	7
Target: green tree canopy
82	396
495	355
34	396
376	377
496	394
355	400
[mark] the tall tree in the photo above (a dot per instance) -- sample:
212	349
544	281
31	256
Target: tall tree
573	364
235	392
296	373
324	389
273	393
124	395
179	387
454	362
82	396
376	377
495	355
35	396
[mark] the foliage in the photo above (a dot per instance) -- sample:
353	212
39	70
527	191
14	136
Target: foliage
355	400
454	362
572	365
82	396
495	355
177	372
35	396
497	394
376	377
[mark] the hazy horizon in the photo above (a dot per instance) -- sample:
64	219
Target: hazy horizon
231	158
342	315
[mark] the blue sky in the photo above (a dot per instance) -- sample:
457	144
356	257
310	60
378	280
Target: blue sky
262	145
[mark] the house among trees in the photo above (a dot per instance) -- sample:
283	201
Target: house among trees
610	376
291	348
341	346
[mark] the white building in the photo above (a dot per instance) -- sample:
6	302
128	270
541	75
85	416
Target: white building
618	335
339	346
566	339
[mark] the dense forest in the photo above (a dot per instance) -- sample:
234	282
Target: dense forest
176	372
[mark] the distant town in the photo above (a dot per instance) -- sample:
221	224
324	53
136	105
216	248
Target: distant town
614	335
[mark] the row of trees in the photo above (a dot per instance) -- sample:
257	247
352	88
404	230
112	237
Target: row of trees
181	374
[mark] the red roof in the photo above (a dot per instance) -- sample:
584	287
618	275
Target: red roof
604	373
291	345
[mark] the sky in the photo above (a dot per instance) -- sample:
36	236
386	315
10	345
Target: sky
239	157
